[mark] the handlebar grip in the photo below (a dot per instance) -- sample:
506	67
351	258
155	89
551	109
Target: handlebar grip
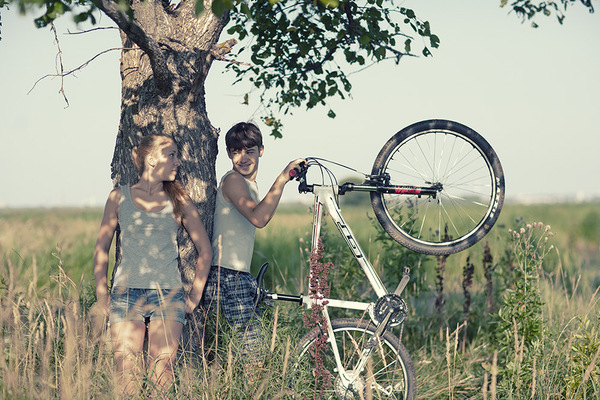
298	171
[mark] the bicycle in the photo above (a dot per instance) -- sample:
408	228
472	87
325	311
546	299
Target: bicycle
436	187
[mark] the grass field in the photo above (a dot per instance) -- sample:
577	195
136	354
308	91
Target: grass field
537	335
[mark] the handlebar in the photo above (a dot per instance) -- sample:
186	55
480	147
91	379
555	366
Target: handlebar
299	174
372	183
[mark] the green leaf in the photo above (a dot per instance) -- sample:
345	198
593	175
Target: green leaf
256	60
245	9
199	7
218	8
364	39
124	6
380	53
304	48
80	17
331	114
330	3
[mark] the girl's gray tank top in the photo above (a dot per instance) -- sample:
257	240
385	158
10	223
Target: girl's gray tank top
149	245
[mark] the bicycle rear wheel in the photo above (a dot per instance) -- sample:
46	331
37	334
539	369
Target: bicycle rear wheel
468	178
389	374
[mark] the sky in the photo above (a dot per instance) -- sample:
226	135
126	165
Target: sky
534	94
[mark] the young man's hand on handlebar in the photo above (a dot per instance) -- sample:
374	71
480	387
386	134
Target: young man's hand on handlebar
297	171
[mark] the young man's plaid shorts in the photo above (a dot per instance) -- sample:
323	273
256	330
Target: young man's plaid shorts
237	297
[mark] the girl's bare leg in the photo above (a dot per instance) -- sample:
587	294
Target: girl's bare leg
163	341
128	344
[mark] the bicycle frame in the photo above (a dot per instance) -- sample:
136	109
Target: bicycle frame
325	201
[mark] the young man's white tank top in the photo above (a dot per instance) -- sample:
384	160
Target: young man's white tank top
233	234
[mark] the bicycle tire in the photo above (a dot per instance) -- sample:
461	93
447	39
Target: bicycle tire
393	375
466	169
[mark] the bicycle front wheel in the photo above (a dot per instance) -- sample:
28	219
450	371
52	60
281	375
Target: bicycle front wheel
389	373
464	171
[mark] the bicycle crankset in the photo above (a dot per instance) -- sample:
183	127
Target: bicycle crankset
389	304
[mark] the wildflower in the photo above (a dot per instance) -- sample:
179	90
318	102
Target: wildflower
541	225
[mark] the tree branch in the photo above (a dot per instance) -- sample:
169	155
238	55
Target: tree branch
59	56
63	74
217	52
100	28
158	61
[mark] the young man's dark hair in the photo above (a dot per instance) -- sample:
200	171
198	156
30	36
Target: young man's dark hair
243	135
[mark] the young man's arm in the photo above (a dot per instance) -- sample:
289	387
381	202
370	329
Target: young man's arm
236	191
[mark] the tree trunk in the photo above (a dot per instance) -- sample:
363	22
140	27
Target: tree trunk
177	46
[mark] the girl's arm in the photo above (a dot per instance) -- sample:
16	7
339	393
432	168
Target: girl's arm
195	228
103	242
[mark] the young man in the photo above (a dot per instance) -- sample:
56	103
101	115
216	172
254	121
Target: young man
238	212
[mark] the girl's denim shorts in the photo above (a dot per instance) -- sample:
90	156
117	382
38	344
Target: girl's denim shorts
130	304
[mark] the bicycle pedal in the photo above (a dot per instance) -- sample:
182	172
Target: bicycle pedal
372	342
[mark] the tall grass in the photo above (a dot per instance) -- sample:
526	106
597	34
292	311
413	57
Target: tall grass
53	347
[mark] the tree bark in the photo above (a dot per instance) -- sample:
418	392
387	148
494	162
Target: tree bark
165	59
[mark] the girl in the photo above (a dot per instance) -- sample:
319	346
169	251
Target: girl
147	292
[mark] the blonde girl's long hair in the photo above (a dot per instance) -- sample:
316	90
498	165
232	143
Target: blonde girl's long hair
174	189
